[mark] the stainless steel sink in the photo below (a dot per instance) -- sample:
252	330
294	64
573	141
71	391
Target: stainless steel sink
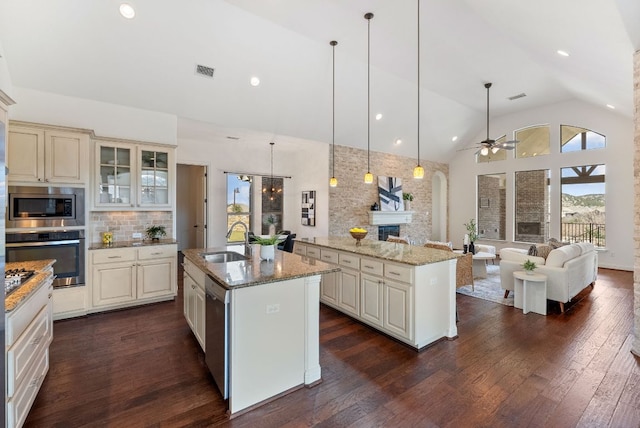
223	257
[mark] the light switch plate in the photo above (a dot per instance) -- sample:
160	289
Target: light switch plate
137	235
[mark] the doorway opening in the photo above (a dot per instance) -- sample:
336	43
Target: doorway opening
191	206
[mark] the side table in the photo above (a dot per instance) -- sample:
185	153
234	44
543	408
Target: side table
530	292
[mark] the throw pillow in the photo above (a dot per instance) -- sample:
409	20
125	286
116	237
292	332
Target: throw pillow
554	243
533	250
543	250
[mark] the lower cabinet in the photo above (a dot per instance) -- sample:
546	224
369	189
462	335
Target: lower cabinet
349	291
397	307
123	277
194	300
29	332
371	299
329	288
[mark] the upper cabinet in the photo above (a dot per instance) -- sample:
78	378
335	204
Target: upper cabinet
47	155
133	176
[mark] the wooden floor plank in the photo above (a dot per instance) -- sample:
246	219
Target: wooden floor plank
142	367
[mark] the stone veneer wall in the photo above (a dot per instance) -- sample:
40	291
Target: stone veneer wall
491	218
350	202
532	203
124	223
636	169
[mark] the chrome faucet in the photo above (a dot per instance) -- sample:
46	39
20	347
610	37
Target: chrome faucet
247	247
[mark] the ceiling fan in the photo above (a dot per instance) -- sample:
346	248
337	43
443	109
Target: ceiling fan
490	144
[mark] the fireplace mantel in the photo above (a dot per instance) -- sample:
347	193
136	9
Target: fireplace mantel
377	218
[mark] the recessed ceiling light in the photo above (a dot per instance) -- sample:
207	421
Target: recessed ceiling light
454	138
562	53
397	141
612	107
378	116
127	11
254	81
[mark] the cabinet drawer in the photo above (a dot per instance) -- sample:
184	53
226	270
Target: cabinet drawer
329	256
19	319
399	273
349	261
157	252
31	345
374	267
19	405
299	249
196	274
116	255
313	252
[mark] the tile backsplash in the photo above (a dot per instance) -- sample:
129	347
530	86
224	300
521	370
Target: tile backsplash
124	223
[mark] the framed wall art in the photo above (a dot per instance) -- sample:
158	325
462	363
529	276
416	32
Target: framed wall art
309	208
390	192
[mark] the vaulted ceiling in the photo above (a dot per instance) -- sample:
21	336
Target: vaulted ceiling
86	49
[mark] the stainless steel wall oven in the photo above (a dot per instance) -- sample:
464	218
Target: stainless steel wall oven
66	246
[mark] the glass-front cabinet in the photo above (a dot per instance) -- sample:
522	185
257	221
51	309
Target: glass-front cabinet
154	178
133	176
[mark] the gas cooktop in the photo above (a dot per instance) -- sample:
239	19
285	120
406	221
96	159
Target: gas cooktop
13	278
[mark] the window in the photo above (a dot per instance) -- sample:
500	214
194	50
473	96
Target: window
272	193
533	141
583	204
491	206
573	139
238	205
532	213
492	157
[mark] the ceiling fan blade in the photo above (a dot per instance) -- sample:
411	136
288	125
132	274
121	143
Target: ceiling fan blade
511	142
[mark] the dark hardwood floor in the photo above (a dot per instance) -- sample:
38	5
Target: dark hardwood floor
142	367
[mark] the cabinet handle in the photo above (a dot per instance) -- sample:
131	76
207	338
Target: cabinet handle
347	261
50	295
36	340
114	257
156	254
193	286
394	273
368	267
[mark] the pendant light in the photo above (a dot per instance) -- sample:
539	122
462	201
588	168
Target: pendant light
272	190
333	182
368	177
418	171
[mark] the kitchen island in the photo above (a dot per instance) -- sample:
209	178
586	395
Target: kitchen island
404	291
273	331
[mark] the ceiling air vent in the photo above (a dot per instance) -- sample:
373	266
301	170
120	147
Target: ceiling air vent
205	71
515	97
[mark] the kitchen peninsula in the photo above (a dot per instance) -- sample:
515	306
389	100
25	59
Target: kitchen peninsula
405	291
273	321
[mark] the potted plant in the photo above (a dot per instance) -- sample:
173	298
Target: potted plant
408	198
155	232
271	221
529	266
471	232
267	246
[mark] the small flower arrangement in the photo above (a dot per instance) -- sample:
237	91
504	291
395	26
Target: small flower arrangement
407	196
471	230
155	232
529	266
271	240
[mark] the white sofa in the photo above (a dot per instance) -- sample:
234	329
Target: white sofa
569	269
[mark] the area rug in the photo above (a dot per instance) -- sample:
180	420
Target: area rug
488	288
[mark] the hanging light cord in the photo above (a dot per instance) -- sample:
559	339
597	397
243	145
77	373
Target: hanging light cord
418	82
271	144
487	85
333	116
368	16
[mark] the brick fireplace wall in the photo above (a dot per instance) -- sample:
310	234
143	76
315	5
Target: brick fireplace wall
349	203
491	207
636	233
532	204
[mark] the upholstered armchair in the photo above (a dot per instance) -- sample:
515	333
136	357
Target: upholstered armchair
464	266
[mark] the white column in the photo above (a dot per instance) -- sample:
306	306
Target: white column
312	369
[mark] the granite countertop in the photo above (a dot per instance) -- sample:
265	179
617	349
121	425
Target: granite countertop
133	243
254	271
32	284
400	253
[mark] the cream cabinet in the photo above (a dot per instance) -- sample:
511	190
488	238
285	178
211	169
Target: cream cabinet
412	303
42	154
122	277
132	176
194	300
29	332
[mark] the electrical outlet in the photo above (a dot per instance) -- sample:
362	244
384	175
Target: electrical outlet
136	235
272	309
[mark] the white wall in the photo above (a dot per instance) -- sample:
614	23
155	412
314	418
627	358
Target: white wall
5	78
618	157
107	120
305	161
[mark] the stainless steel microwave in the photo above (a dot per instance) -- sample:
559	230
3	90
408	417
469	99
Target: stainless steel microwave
30	207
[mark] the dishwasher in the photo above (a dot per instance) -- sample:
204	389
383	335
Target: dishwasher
217	334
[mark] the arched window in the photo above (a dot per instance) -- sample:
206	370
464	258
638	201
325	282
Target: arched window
573	139
533	141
